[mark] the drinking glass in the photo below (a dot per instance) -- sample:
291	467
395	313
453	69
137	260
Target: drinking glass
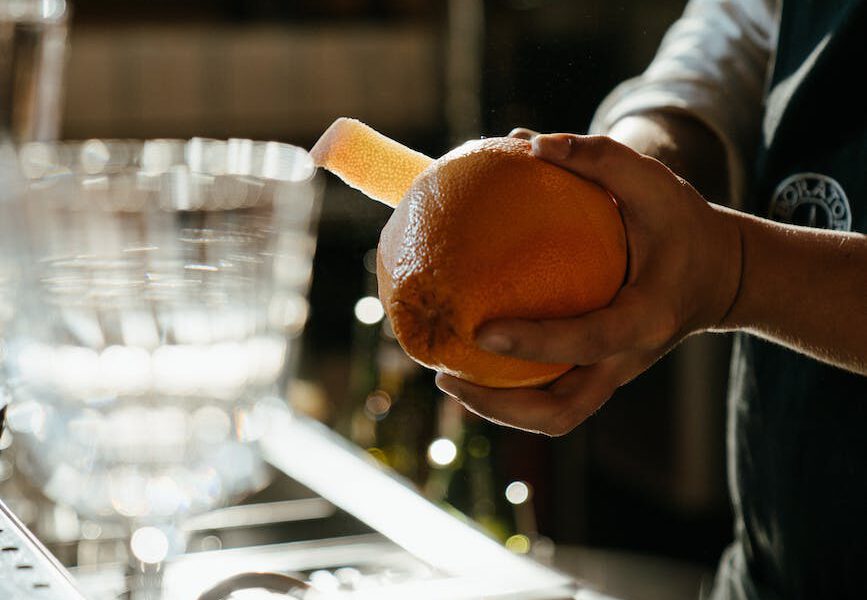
32	60
162	291
10	187
32	56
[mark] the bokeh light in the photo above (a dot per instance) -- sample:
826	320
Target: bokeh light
517	492
518	543
442	452
369	310
324	581
377	405
149	545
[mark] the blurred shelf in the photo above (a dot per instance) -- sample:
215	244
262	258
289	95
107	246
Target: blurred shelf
258	80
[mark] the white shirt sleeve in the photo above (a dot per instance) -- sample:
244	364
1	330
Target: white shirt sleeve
712	64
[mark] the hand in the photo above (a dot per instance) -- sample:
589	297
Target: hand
683	144
684	270
679	141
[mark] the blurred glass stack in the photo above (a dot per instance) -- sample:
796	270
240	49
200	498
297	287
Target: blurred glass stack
33	36
161	287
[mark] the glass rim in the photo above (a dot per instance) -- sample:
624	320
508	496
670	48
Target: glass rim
266	160
34	11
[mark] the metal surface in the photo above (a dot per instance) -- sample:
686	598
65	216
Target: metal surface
418	551
468	563
27	570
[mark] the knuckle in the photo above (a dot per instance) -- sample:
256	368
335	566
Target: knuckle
580	405
523	347
562	423
557	430
658	171
596	148
604	147
653	163
665	328
591	347
532	340
554	342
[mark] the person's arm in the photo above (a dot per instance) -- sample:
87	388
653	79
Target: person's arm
683	144
804	288
697	107
693	267
679	141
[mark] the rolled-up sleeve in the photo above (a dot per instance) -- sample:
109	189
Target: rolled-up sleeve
712	64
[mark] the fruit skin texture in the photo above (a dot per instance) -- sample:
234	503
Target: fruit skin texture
365	159
488	231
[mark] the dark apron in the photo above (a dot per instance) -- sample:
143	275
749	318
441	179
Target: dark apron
797	427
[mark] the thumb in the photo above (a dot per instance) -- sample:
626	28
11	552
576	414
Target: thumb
617	168
627	324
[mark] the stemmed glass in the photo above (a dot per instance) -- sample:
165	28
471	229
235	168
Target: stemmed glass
162	288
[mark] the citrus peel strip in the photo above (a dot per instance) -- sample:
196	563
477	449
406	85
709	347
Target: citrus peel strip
368	161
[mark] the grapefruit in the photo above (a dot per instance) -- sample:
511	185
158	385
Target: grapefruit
487	231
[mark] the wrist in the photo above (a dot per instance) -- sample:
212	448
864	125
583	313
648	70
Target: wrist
728	272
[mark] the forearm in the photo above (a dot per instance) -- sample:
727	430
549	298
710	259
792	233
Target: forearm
803	288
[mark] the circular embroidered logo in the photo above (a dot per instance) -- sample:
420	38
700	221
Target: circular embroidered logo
811	200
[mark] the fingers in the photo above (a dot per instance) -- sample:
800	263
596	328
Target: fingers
617	168
523	133
559	408
554	411
628	324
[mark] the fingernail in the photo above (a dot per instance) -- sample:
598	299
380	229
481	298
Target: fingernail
494	342
553	147
522	133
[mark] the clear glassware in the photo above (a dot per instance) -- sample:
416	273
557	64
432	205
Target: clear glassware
10	187
32	60
162	290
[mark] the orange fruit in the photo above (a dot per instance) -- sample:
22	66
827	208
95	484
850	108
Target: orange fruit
488	231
